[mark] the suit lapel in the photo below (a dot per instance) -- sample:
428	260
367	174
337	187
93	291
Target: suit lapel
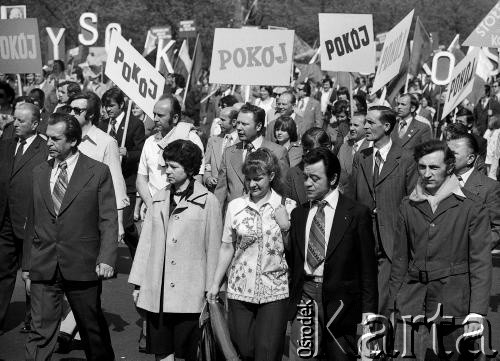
237	160
217	149
44	184
341	221
301	240
410	132
32	150
80	177
366	161
9	157
473	182
119	133
390	164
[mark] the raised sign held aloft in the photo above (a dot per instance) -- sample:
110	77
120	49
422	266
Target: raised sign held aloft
133	74
347	42
487	33
20	46
252	56
392	53
462	81
187	29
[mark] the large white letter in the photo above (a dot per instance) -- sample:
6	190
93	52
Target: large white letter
88	35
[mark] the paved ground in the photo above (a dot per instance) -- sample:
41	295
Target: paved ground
123	319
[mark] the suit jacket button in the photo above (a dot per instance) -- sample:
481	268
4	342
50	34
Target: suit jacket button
172	284
173	263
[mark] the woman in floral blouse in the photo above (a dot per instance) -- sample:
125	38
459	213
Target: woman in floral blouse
252	251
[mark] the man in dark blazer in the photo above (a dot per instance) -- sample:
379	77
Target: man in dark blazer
308	108
465	148
114	104
487	106
18	157
70	243
409	131
325	284
250	126
382	176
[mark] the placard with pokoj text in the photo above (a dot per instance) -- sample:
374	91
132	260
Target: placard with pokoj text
133	74
487	33
20	46
462	81
252	56
392	53
347	42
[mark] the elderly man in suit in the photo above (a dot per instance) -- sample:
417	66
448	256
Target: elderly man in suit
409	130
250	126
114	103
308	108
382	176
465	149
326	235
441	262
70	243
18	157
285	106
216	145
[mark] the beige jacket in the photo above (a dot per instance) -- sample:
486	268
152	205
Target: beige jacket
185	247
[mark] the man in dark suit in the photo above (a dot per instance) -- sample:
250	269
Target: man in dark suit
114	104
326	96
465	148
487	106
285	106
409	131
325	284
250	126
382	176
18	157
70	243
308	108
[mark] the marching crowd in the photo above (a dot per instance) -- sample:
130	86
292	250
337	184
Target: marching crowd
309	202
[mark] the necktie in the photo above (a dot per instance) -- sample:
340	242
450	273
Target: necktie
461	181
301	104
60	187
402	125
249	147
376	169
19	152
316	244
112	132
227	141
355	148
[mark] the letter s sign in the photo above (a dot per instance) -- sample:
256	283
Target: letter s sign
88	25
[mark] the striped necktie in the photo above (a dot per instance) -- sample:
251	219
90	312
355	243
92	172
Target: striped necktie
60	187
316	244
112	131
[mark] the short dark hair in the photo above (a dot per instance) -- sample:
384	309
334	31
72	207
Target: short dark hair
330	160
459	131
61	64
9	91
227	101
432	146
307	88
268	88
93	105
360	103
387	115
263	161
259	114
315	137
343	91
288	125
180	81
464	112
186	153
38	96
72	131
113	94
327	79
341	106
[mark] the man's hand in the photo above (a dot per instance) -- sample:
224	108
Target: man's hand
211	181
213	293
123	151
473	325
27	282
104	271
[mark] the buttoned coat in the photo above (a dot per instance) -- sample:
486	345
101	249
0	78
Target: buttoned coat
452	245
310	117
416	134
182	248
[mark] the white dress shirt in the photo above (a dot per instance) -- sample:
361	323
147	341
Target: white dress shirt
257	143
383	153
325	99
29	140
119	120
465	177
332	199
71	164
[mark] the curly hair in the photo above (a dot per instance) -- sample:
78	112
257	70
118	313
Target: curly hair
186	153
263	161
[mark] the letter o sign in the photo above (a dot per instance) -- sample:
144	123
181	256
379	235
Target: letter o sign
443	64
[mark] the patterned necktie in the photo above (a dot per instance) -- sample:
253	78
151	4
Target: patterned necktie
376	169
249	147
228	140
316	244
355	148
19	152
112	132
402	125
60	187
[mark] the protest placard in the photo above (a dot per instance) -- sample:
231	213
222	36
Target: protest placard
20	46
392	53
13	12
487	33
133	74
462	81
187	29
347	42
252	56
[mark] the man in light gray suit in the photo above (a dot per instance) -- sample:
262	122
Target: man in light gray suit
285	106
308	108
216	145
250	126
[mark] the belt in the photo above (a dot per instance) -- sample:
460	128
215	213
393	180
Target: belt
315	279
425	276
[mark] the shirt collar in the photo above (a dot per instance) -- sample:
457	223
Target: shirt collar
29	140
119	119
466	175
91	134
384	150
257	142
332	198
274	200
70	161
407	121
